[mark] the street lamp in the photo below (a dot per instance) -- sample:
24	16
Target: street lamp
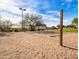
22	16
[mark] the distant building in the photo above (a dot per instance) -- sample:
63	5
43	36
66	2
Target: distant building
50	28
40	28
15	27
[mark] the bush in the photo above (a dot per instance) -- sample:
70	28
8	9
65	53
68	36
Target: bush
69	29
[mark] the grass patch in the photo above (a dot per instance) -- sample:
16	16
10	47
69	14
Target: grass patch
68	30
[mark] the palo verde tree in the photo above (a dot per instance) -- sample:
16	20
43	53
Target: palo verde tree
31	21
75	21
5	25
58	26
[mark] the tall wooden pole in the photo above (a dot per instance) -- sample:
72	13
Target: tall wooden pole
61	27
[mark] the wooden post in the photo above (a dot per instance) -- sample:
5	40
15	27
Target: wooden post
61	27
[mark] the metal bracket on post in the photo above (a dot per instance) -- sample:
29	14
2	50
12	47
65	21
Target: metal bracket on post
61	27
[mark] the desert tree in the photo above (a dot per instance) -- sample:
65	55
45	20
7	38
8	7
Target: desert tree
75	21
32	21
5	25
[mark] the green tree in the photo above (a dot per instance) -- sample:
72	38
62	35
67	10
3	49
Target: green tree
58	26
5	26
75	21
32	21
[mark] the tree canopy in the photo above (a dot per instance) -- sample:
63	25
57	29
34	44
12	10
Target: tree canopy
32	21
75	20
5	25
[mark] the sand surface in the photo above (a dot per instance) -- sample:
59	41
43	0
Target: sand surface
30	45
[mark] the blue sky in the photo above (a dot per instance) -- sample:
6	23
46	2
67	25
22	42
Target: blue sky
49	9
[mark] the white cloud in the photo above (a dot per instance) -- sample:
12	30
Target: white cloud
26	3
30	11
68	0
13	6
14	20
8	6
10	2
53	12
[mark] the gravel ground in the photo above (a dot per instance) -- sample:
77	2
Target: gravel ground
30	45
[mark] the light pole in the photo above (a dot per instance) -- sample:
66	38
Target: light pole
22	17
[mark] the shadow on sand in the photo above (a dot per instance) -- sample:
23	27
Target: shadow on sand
46	32
69	47
55	36
2	34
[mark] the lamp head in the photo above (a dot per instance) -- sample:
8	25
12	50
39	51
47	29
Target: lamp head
24	9
20	8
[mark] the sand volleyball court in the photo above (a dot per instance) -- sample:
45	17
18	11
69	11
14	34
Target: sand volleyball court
30	45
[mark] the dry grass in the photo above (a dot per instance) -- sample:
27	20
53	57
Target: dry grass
30	45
